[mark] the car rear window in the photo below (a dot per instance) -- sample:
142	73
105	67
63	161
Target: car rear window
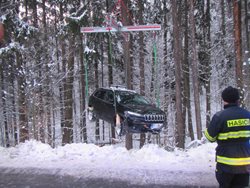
100	94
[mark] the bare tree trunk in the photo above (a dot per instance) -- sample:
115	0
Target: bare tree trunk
223	23
37	131
247	55
62	69
165	36
142	48
195	73
186	75
5	126
110	73
97	124
2	127
152	77
68	128
247	10
166	70
180	124
84	89
47	100
238	48
23	122
127	61
141	62
207	64
34	7
110	63
56	95
83	93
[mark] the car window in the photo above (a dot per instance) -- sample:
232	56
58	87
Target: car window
130	98
100	94
109	96
138	99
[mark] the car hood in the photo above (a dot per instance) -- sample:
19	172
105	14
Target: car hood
143	109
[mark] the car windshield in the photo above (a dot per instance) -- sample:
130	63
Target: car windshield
130	98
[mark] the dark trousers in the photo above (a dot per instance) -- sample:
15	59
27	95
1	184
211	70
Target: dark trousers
227	180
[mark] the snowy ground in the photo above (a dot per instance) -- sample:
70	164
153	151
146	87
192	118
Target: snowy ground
149	165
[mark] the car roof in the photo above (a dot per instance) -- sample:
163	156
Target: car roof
118	88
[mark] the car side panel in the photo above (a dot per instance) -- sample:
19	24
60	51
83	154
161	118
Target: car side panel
108	112
102	107
108	106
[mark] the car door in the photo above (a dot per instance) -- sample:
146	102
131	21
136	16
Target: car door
98	103
108	111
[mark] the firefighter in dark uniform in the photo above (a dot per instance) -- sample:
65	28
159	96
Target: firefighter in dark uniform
231	129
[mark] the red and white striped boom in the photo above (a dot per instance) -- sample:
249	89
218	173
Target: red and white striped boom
154	27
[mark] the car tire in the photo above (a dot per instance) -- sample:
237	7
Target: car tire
91	114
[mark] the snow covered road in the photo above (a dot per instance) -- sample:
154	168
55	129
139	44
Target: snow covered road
150	165
30	178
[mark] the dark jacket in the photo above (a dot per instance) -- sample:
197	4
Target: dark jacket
231	129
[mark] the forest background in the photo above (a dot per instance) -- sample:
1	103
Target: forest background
48	68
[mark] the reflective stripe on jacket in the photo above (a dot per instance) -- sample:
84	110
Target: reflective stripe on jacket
231	129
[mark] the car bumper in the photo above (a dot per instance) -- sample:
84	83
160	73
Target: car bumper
143	127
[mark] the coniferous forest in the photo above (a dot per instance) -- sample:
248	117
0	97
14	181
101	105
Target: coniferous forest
49	67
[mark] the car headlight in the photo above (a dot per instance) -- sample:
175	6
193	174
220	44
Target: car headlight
129	113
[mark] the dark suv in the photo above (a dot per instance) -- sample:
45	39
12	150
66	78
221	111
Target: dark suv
125	109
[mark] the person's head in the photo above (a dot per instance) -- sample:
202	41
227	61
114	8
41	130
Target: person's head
230	95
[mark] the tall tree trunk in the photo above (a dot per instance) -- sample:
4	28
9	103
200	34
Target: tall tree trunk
97	124
84	88
186	75
34	7
152	82
141	62
223	22
68	101
62	69
238	48
37	130
5	126
165	36
110	63
247	10
208	64
2	125
180	138
83	92
247	55
195	73
166	70
47	97
127	61
23	120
